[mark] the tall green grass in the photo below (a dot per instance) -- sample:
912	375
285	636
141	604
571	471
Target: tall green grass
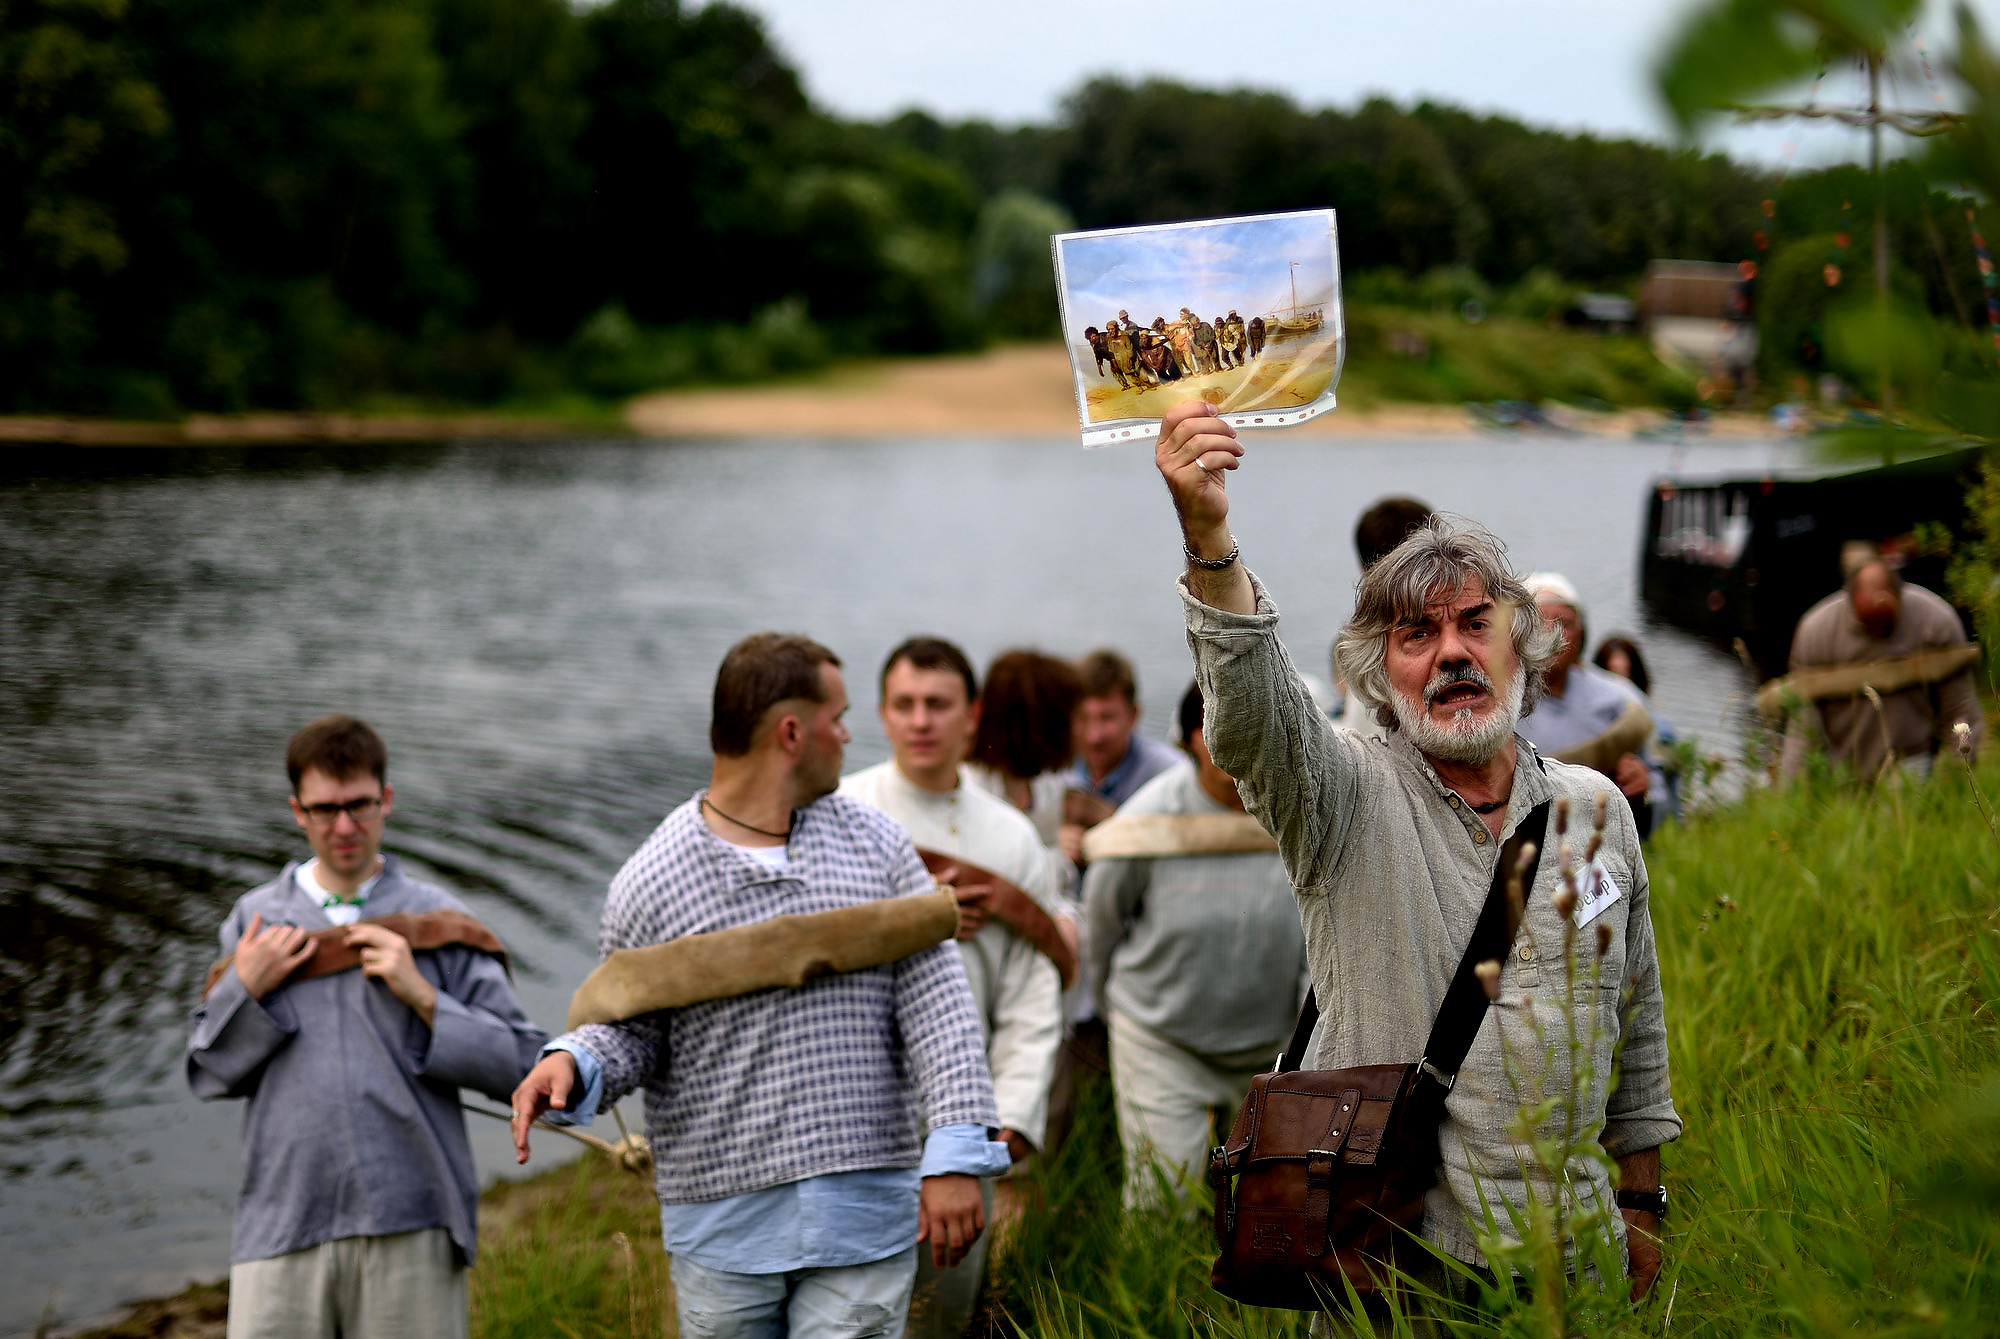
1831	958
574	1252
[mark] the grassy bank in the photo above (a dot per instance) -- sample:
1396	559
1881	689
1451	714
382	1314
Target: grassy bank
1831	960
1400	354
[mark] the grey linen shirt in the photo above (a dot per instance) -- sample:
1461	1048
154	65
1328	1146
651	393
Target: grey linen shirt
1390	869
1917	720
780	1085
1195	947
353	1127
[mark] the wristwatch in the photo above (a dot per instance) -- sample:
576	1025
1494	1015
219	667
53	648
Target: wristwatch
1653	1202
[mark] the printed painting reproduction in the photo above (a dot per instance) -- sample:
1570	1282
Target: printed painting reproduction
1241	312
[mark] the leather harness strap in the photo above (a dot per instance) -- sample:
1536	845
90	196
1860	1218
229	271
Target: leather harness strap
1028	919
424	930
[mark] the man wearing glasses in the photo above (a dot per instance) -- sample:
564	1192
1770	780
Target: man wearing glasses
357	1212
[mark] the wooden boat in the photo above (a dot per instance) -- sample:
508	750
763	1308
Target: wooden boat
1745	557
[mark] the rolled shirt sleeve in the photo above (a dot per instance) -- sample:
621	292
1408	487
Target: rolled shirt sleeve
964	1150
579	1110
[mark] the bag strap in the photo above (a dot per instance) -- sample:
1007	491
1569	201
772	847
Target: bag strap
1464	1007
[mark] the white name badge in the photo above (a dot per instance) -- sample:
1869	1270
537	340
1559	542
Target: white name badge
1595	890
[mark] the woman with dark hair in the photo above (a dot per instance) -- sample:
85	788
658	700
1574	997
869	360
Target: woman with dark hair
1021	751
1620	655
1023	742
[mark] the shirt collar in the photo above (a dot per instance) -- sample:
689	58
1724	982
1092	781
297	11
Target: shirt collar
310	885
1531	783
1116	776
735	868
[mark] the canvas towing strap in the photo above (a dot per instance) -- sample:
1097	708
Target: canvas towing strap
783	951
1819	683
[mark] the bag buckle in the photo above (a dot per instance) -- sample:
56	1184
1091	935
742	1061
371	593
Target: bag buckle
1449	1081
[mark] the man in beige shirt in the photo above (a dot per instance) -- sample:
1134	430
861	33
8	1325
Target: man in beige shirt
1391	844
1876	615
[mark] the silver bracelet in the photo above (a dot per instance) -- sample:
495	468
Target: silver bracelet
1211	564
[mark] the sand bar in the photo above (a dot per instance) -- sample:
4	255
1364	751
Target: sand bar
1015	391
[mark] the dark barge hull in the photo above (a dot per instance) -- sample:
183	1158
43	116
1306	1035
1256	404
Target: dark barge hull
1744	558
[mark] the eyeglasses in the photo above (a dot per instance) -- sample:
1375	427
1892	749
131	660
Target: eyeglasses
361	811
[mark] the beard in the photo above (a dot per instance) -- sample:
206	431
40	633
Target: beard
1466	737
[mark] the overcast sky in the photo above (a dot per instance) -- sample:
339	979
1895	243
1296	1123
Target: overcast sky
1572	64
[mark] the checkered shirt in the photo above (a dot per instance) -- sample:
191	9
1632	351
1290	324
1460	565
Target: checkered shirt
779	1085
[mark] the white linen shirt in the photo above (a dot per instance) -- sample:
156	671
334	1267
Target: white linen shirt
1017	989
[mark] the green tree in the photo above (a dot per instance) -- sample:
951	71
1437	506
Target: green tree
81	116
1013	271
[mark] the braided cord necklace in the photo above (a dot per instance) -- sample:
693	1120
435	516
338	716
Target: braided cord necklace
747	827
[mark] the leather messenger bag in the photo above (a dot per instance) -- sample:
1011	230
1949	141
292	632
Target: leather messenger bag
1324	1170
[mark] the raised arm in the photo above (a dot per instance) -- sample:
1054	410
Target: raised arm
1300	777
1195	447
590	1067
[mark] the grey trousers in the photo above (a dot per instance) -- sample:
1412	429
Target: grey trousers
406	1286
941	1305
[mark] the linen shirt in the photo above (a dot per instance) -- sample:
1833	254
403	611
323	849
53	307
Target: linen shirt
1591	702
1917	719
1045	810
780	1085
353	1127
1390	869
1017	990
1194	948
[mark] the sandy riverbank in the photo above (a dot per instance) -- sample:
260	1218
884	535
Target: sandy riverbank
1016	390
1019	390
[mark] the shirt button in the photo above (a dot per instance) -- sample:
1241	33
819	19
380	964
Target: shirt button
1452	801
1479	837
1527	953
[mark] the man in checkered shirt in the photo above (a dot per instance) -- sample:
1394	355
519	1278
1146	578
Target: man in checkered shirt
793	1187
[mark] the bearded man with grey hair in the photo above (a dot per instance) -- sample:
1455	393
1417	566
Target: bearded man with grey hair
1391	843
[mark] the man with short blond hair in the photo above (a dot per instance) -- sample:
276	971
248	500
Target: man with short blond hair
358	1212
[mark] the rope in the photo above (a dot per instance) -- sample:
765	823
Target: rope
631	1152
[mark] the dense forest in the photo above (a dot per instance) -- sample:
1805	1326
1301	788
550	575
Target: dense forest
236	203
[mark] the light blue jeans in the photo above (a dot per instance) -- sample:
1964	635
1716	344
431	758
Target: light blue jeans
858	1302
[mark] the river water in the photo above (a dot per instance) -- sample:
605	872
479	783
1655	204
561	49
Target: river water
535	627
